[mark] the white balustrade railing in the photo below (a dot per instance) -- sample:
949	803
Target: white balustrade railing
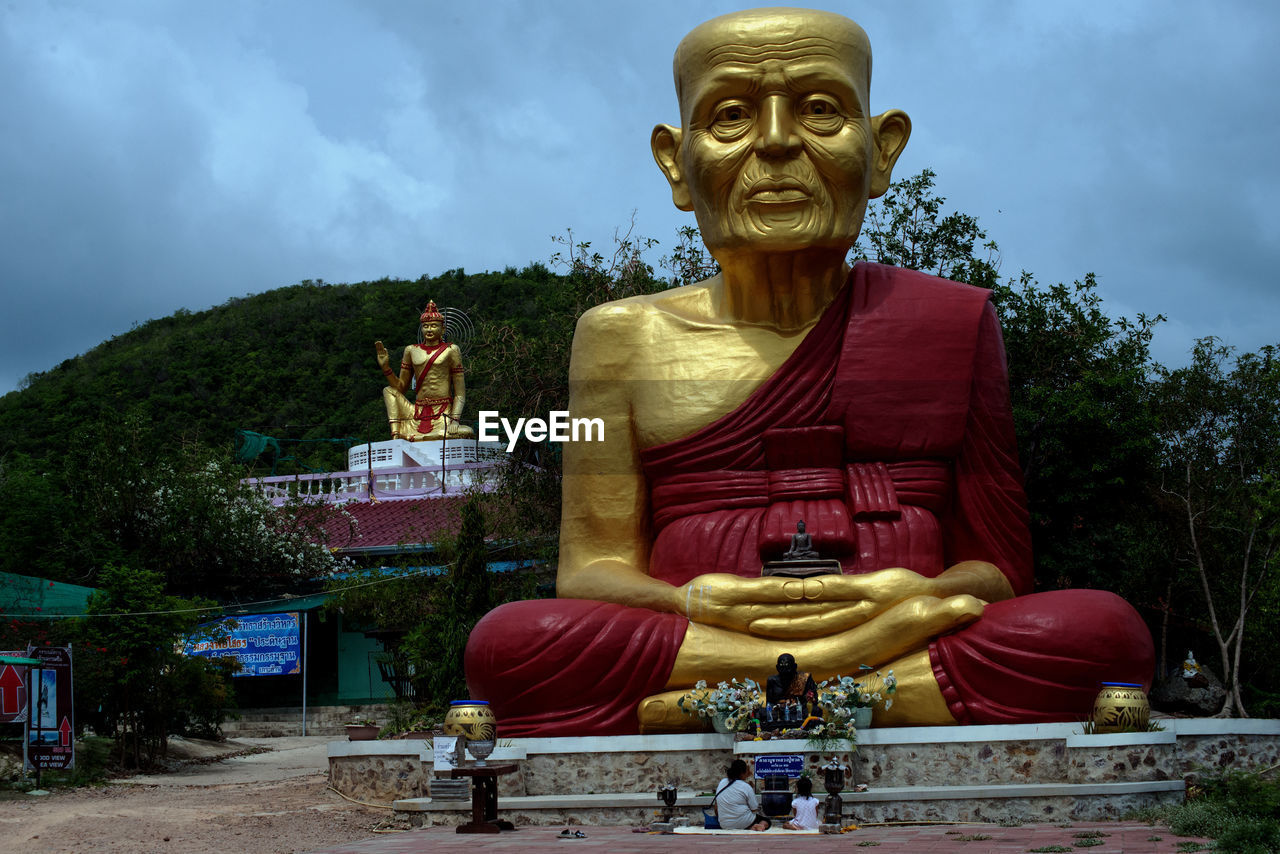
339	487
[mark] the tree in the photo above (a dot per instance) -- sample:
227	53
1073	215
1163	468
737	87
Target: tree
181	511
41	532
689	262
435	646
133	685
1219	426
1078	381
906	228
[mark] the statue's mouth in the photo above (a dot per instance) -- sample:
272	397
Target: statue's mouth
777	191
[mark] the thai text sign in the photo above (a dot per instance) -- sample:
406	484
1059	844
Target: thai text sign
444	752
779	765
264	644
52	719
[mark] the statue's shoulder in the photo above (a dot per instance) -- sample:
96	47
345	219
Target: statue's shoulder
689	302
629	336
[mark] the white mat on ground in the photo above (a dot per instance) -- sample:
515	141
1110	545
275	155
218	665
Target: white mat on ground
722	832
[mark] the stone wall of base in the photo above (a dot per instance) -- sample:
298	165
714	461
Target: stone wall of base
1210	752
381	779
924	757
321	720
626	771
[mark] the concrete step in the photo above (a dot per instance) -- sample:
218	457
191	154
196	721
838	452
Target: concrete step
1043	801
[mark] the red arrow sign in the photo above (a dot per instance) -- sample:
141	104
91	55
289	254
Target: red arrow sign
11	691
65	730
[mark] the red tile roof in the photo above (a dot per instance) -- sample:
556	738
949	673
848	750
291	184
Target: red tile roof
393	523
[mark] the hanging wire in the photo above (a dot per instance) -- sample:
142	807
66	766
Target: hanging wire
231	609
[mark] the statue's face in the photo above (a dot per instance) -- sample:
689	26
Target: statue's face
786	665
777	150
431	330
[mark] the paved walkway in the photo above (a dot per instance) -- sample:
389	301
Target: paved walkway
934	839
219	762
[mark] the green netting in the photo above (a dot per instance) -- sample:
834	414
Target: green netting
23	594
250	445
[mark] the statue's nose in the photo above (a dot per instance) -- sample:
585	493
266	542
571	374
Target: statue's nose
777	132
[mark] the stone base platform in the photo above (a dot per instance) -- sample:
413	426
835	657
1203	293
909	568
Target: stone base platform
1028	772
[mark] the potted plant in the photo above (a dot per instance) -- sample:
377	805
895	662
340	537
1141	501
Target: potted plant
728	706
424	725
362	729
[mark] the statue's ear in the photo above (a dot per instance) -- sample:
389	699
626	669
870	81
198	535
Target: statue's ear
666	150
890	130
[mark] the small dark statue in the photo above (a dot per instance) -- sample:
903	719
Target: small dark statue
801	559
801	545
790	697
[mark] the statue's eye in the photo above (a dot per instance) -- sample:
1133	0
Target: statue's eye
731	121
821	114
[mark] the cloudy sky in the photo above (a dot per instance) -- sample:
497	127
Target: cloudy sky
164	155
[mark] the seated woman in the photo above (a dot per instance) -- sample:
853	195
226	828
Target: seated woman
735	801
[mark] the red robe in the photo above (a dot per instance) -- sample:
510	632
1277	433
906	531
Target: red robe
889	432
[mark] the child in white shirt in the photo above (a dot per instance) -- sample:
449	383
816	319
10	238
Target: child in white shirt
805	807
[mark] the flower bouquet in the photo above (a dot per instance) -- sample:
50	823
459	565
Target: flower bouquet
842	696
731	703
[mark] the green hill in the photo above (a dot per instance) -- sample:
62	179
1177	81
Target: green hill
295	363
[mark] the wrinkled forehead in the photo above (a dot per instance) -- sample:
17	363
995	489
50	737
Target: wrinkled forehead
832	45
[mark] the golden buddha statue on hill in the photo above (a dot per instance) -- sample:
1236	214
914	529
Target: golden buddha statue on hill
871	402
434	368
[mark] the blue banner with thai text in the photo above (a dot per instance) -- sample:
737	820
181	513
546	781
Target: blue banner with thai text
264	644
779	765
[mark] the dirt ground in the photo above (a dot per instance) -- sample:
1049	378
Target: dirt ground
241	804
288	816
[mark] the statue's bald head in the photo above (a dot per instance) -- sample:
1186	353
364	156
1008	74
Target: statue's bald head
777	148
744	36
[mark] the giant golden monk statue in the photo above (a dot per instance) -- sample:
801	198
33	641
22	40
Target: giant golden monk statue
872	403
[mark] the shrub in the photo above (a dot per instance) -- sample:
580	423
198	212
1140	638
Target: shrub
1248	793
93	755
1238	809
1201	817
1250	836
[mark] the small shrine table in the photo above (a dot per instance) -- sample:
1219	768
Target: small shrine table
484	797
